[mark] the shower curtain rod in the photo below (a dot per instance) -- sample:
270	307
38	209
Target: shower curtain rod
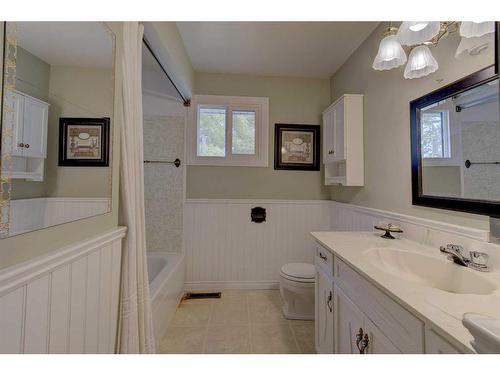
187	102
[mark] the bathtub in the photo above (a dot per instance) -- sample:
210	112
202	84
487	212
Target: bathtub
166	287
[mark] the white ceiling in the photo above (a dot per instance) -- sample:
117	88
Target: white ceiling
83	44
300	49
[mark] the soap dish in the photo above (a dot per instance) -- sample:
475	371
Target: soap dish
388	228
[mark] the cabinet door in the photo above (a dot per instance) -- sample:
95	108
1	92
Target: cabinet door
35	128
378	343
16	102
324	313
328	136
435	344
338	120
348	320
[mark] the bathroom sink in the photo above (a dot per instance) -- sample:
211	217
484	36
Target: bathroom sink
435	272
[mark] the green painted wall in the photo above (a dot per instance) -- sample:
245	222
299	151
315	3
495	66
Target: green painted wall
387	125
291	100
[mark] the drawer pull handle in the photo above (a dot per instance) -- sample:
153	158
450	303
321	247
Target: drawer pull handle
329	301
362	341
324	257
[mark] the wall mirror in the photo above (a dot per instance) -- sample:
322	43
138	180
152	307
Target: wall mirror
456	145
56	123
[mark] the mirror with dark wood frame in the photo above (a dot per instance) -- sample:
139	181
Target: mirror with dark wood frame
455	141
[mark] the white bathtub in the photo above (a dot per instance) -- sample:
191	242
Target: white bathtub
166	286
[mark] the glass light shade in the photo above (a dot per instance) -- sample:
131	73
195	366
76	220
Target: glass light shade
390	54
474	46
420	63
411	33
476	29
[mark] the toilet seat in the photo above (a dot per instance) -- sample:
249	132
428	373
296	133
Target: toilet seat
298	272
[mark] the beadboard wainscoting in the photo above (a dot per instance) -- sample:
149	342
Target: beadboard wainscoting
63	302
224	249
348	217
36	213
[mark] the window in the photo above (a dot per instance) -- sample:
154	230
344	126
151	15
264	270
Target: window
435	135
228	130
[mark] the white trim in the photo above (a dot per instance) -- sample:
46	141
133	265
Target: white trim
22	273
253	201
259	104
221	285
476	234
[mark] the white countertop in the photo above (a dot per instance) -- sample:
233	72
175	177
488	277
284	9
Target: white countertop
440	309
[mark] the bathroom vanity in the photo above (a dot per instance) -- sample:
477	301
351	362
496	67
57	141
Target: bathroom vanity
379	296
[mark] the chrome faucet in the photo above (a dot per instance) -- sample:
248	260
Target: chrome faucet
475	260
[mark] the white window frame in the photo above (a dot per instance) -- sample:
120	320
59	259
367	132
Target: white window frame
232	103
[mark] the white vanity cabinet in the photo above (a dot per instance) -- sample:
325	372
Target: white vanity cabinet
324	320
357	305
29	141
349	320
343	141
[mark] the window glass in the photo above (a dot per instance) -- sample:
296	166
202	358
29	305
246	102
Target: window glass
434	135
211	131
243	132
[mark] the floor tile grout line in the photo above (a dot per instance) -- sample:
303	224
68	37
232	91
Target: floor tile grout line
250	339
294	337
205	337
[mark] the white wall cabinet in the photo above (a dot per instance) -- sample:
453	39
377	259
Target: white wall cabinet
29	142
343	141
324	321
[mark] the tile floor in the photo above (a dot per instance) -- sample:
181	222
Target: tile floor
241	321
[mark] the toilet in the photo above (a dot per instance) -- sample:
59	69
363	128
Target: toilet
297	290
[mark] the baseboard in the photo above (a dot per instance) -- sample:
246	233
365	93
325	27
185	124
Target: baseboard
220	285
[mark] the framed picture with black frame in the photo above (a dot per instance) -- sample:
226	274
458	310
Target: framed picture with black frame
296	147
84	142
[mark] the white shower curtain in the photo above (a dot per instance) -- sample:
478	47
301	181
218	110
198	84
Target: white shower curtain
135	320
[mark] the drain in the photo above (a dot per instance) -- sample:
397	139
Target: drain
202	295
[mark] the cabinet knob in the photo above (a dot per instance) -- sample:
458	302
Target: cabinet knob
27	145
21	144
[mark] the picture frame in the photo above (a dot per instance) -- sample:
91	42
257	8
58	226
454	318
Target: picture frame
84	142
297	147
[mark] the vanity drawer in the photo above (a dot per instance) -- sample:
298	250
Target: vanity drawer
403	329
324	259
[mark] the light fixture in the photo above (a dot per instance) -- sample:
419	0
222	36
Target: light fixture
474	46
420	63
411	33
415	38
390	53
476	29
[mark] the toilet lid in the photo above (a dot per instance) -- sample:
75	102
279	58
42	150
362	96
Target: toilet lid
298	270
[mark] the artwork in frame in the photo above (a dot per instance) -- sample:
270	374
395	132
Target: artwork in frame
296	147
83	142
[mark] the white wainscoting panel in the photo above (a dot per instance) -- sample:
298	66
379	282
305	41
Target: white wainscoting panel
224	249
348	217
63	302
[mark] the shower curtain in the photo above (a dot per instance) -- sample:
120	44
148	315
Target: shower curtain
135	318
